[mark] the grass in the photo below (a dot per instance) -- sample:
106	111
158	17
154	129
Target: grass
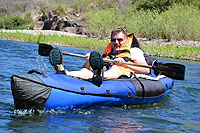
168	51
179	22
174	51
75	42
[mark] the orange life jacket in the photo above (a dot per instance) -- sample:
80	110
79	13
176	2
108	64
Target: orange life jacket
124	51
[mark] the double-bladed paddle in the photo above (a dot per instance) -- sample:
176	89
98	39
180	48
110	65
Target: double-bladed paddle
171	70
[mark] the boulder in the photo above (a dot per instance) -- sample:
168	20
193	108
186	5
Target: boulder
55	22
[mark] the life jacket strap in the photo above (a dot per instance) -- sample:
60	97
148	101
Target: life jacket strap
135	42
115	53
127	59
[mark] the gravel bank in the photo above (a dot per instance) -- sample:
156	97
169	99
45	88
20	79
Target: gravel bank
45	32
163	42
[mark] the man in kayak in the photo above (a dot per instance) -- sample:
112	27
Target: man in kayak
120	49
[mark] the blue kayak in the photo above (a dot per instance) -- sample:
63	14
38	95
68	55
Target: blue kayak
37	90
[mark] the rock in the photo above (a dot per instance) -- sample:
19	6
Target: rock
82	31
47	25
64	23
70	29
52	14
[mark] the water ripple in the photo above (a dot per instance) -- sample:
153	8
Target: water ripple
178	112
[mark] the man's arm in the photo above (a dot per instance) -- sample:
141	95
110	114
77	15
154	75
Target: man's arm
138	58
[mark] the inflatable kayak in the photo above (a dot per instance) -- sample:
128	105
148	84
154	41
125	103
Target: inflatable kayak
37	90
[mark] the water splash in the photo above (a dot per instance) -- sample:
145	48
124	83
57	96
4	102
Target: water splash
42	66
32	112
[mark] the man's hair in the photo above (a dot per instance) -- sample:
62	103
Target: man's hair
118	30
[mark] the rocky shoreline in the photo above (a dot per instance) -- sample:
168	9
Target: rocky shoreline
163	42
143	41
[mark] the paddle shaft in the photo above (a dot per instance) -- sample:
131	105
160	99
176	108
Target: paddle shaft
108	60
172	70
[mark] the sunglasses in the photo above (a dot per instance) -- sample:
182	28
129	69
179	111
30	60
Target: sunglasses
118	39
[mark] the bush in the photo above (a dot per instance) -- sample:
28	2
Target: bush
101	22
15	22
178	22
181	22
88	5
60	9
12	22
161	5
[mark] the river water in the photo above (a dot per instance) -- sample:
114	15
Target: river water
178	112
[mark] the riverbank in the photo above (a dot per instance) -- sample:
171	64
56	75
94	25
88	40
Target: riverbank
186	50
44	32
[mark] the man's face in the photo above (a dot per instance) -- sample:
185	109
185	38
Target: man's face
117	40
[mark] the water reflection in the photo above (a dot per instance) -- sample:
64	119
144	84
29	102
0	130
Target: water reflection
116	124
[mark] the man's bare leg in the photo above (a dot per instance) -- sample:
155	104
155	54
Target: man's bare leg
113	73
84	73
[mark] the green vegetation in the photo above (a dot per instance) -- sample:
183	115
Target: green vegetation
76	42
179	22
20	7
15	22
174	51
92	5
161	5
60	9
170	51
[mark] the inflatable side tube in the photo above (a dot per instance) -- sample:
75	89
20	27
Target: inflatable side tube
29	92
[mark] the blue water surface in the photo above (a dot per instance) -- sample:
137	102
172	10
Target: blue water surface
178	112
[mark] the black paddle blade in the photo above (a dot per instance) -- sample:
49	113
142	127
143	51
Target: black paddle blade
44	49
171	70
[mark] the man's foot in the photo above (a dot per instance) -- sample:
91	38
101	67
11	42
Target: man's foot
96	62
56	60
